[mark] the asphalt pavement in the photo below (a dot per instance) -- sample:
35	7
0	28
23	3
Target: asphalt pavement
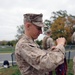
7	56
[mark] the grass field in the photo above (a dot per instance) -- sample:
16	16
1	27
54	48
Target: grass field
10	71
70	68
15	71
6	49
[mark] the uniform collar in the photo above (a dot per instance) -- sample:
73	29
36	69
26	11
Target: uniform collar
28	38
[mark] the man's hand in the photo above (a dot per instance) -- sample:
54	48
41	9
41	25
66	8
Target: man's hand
61	41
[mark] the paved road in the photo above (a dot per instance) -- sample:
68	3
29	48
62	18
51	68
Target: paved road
70	54
7	56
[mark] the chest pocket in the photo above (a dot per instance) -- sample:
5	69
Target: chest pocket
34	45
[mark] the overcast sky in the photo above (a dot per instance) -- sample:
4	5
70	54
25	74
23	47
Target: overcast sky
11	13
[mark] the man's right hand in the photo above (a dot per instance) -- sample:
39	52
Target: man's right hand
61	41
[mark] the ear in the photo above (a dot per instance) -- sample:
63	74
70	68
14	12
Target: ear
28	24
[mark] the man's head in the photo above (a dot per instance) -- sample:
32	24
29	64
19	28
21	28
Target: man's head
48	32
33	24
36	19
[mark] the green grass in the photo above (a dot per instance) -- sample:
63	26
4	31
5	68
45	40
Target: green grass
10	71
15	71
6	50
70	67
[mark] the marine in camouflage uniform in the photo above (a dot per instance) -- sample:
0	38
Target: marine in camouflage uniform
73	38
47	41
73	41
31	60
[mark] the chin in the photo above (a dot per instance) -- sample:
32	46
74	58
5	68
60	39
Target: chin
35	37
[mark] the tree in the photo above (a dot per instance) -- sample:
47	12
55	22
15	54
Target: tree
58	28
62	25
3	42
20	30
48	25
12	43
39	43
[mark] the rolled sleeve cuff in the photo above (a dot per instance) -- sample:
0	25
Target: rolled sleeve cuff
61	48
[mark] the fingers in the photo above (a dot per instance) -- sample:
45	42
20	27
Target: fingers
61	40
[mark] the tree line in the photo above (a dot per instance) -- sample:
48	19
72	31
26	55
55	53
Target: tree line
61	23
9	43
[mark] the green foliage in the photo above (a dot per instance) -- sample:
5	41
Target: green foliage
62	25
9	43
39	42
3	42
70	67
15	71
59	13
20	31
59	30
13	42
7	49
48	24
10	71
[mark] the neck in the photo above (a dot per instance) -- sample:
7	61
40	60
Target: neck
29	36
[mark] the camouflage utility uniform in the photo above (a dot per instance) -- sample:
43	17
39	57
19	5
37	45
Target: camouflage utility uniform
49	41
73	38
34	61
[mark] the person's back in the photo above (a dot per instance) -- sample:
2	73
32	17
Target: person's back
44	42
47	41
73	38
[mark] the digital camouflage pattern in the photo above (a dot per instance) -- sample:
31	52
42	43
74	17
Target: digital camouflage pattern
73	38
31	60
47	42
36	19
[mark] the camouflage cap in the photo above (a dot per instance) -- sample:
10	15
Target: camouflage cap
49	30
36	19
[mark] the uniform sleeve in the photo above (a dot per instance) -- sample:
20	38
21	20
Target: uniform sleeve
41	60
